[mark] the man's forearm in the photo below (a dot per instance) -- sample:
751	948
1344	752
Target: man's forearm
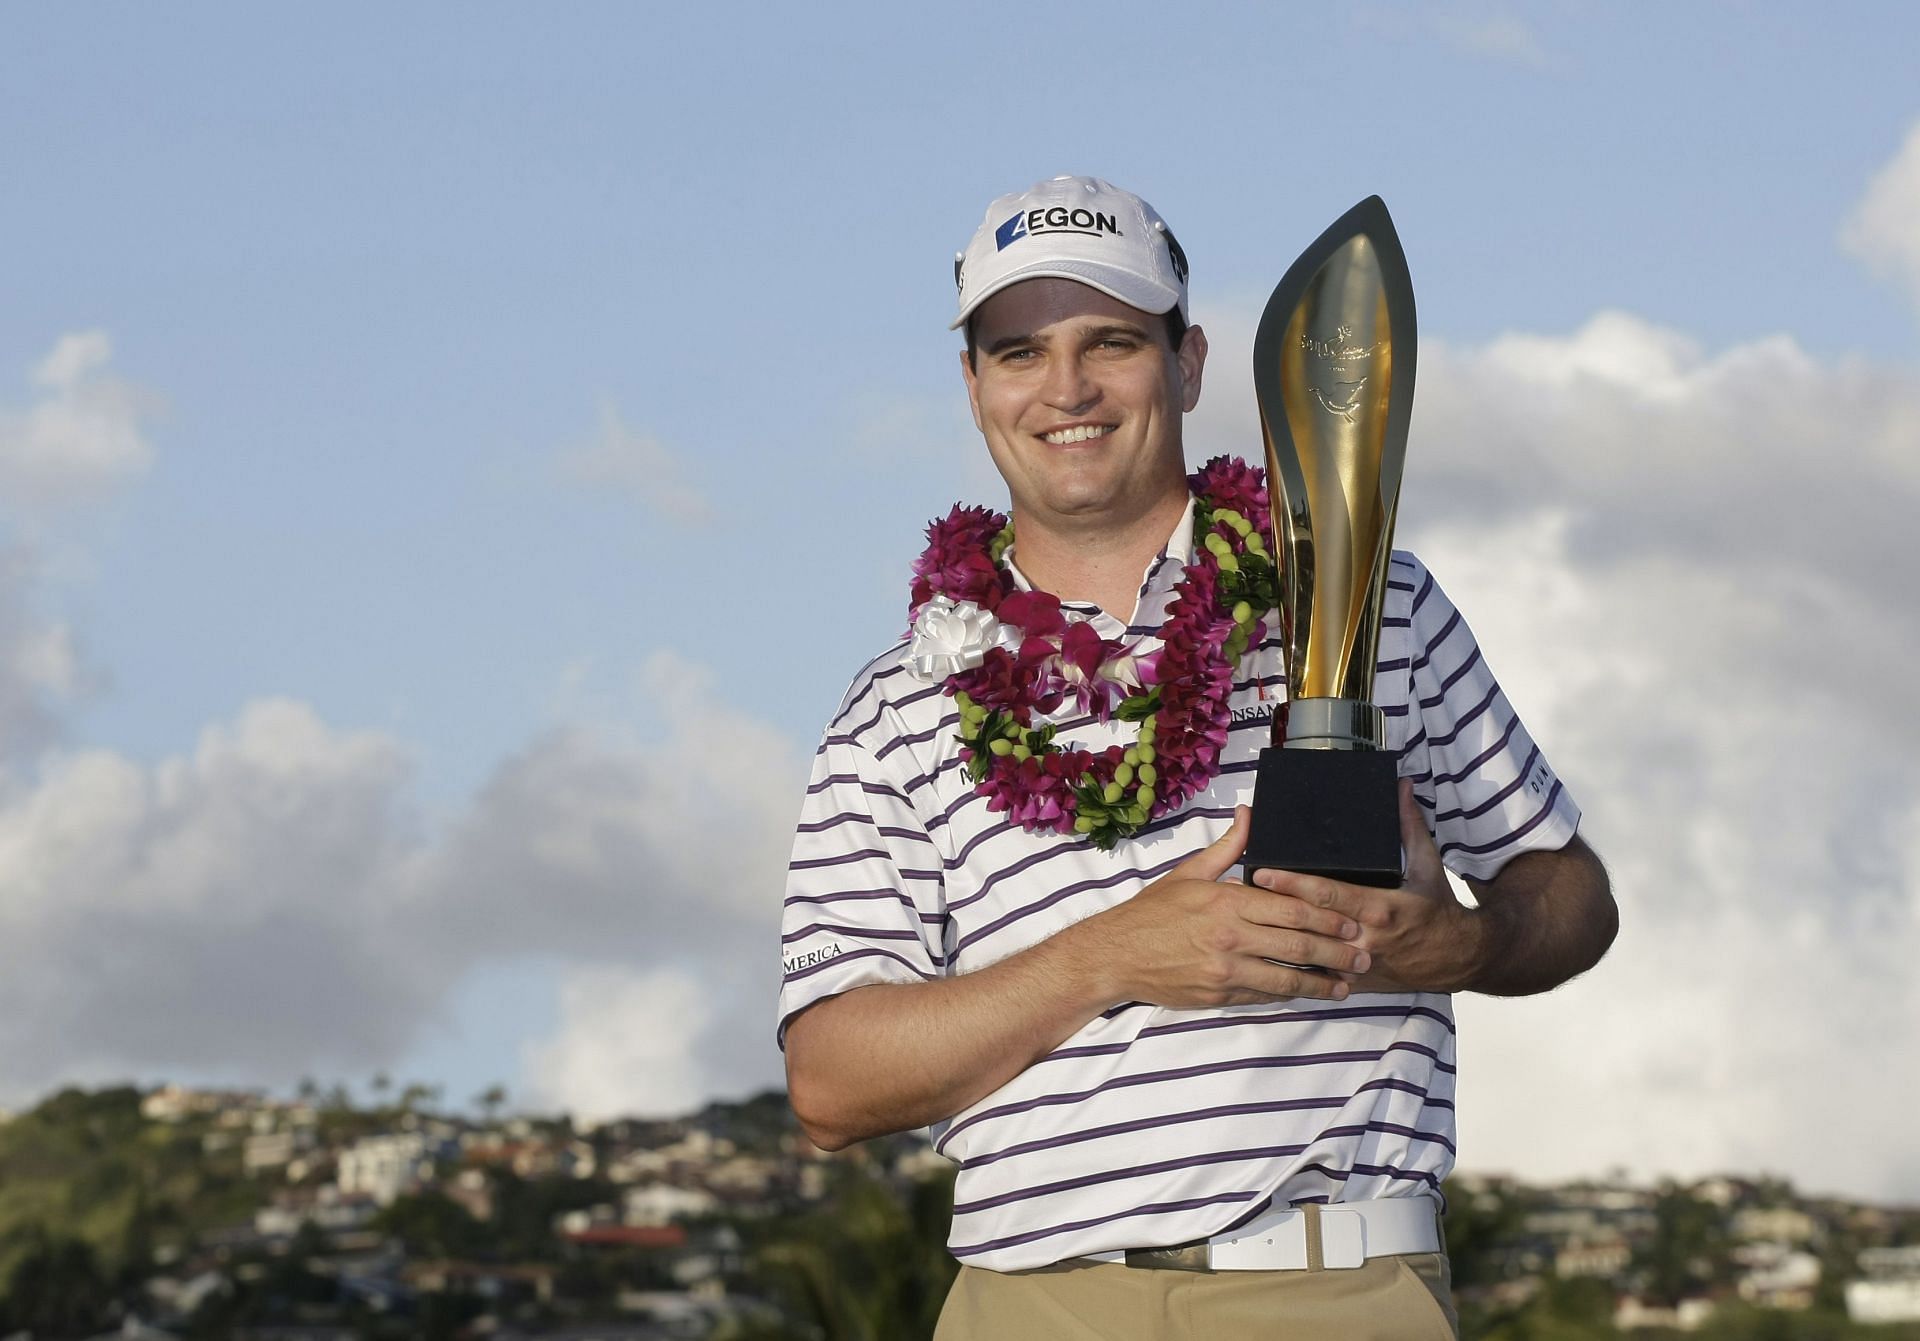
1547	917
896	1056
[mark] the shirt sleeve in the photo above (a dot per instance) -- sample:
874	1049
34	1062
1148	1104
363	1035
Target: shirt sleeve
1492	795
865	887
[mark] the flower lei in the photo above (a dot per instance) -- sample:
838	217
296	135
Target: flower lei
1007	656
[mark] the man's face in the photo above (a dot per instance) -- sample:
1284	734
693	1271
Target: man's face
1079	398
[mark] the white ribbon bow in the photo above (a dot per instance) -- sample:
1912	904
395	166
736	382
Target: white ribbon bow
951	636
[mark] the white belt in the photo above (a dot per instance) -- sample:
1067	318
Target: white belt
1350	1232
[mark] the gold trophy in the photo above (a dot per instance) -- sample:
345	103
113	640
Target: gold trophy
1333	370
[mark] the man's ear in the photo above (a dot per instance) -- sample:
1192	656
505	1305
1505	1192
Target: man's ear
968	376
1193	361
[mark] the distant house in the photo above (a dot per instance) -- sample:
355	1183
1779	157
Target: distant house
1890	1288
495	1281
663	1203
326	1208
1777	1276
658	1237
1602	1255
1689	1316
472	1190
385	1167
272	1149
1774	1224
177	1103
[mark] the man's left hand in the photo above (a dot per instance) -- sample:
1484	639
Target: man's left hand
1545	918
1420	935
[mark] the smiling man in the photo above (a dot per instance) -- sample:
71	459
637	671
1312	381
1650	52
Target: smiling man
1181	1106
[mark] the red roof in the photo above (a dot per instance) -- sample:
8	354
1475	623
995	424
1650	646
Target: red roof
629	1236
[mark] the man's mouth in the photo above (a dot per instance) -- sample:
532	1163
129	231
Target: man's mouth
1062	437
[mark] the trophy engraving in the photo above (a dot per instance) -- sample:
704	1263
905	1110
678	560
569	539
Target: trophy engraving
1333	372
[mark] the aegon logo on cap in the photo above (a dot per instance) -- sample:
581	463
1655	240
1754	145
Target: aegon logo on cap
1058	219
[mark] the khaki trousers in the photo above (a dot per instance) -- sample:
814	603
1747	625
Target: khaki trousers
1407	1298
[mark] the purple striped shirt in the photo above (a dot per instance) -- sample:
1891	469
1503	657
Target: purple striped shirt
1153	1126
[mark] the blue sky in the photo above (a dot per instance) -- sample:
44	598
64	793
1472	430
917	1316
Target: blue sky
485	430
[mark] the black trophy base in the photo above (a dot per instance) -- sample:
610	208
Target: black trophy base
1333	813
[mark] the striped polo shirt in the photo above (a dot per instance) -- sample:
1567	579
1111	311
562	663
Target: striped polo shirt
1153	1126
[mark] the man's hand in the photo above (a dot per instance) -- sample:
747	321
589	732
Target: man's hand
888	1057
1544	918
1192	940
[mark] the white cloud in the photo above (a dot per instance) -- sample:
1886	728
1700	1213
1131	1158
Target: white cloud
628	1044
81	436
40	667
638	465
221	911
1688	568
271	906
1501	37
1489	31
1884	228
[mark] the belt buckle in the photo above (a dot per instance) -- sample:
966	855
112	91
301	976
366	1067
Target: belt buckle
1343	1239
1197	1256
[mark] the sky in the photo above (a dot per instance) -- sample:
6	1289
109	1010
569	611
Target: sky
453	458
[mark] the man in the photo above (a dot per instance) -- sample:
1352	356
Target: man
1116	1046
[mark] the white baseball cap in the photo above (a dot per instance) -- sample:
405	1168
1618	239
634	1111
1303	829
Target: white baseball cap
1078	228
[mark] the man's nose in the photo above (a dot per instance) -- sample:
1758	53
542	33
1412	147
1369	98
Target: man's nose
1069	386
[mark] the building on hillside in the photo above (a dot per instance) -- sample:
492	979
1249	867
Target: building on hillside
1603	1255
712	1254
275	1149
659	1238
1777	1275
663	1203
1773	1224
1690	1315
177	1103
495	1282
1722	1192
385	1167
472	1191
328	1209
1889	1290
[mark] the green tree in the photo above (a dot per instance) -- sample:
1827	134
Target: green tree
57	1288
872	1264
1477	1225
431	1224
1688	1249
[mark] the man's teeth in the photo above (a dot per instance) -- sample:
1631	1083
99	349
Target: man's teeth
1078	434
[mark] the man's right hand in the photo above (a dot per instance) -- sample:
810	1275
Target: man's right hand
1193	939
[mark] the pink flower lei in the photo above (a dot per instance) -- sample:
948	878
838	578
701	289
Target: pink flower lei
1039	659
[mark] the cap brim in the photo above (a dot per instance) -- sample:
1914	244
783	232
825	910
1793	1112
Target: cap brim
1135	291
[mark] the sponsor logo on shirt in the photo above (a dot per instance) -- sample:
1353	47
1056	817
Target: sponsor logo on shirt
1255	712
794	963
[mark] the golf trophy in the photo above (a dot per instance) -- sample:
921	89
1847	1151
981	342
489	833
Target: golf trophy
1333	371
